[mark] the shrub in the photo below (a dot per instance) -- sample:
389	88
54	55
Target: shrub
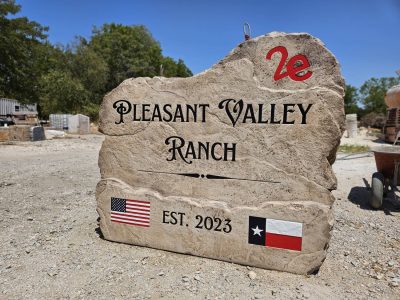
373	119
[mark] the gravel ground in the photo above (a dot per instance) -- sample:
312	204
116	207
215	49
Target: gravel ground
51	249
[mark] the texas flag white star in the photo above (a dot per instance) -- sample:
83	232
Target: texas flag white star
257	231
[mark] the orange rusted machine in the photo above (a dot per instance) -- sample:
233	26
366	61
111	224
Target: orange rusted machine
392	125
387	160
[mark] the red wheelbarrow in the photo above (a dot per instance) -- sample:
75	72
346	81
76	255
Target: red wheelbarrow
387	163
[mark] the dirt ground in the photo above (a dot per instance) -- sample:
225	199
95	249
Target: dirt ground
50	247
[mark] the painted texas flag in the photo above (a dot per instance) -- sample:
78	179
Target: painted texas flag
275	233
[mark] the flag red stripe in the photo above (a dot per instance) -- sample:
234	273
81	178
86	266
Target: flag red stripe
130	220
119	215
132	213
130	223
283	241
138	201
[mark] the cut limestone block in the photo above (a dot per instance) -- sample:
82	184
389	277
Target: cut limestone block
233	163
351	125
4	134
79	124
20	133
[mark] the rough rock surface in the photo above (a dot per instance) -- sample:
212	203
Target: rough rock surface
281	171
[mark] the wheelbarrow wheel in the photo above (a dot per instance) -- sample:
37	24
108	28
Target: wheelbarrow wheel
377	188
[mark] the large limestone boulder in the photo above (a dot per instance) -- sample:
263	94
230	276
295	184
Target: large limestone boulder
392	97
233	163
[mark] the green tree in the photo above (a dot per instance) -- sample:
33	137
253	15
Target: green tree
129	51
350	100
20	52
91	70
171	68
61	93
182	70
114	53
373	92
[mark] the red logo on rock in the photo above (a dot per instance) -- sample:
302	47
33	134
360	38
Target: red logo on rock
295	65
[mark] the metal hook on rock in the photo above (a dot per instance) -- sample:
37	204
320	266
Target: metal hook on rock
246	31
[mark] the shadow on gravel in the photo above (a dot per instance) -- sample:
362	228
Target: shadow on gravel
380	141
98	230
359	195
99	233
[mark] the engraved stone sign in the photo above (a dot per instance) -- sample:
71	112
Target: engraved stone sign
233	163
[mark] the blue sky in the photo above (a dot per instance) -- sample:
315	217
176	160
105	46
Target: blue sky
363	34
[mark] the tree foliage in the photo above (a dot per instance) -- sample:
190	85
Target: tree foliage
62	93
21	51
172	69
350	100
373	93
129	51
91	70
373	119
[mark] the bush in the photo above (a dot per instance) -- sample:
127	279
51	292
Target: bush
92	111
373	119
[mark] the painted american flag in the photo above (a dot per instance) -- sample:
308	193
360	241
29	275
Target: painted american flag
130	212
